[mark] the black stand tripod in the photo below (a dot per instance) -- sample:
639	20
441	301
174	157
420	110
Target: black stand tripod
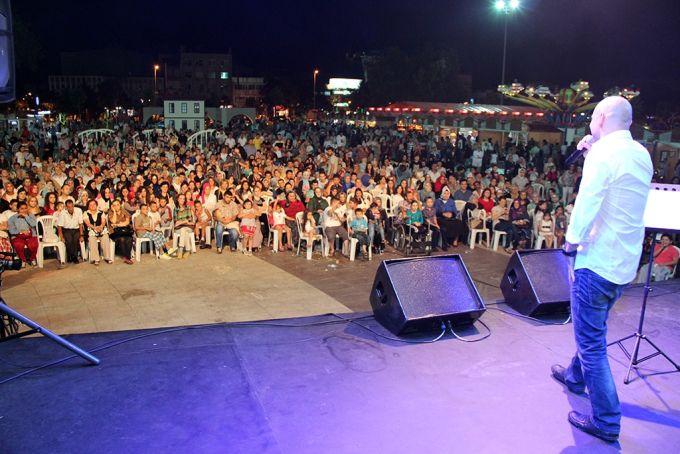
638	335
9	329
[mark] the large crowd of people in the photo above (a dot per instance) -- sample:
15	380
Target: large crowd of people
279	184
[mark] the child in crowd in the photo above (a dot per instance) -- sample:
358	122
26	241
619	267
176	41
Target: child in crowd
248	217
358	228
310	226
560	226
545	229
58	209
414	219
279	224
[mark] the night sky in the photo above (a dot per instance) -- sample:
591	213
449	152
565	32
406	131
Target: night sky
608	42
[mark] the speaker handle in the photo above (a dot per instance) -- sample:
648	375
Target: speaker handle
380	293
512	279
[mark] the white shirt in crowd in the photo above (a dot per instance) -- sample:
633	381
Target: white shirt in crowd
67	220
331	218
4	217
607	219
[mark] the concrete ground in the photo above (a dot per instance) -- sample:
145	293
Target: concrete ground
208	288
205	288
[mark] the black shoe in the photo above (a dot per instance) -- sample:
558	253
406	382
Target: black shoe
585	423
558	372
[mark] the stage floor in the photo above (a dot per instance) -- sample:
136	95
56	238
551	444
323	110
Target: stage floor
333	387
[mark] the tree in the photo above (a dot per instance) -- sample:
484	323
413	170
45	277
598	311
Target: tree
279	91
425	74
72	101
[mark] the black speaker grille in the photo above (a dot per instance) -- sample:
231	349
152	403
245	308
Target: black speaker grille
433	286
549	274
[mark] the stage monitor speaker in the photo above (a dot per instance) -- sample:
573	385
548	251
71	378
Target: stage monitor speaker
7	82
418	294
536	282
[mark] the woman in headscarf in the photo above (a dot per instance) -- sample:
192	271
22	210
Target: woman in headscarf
447	217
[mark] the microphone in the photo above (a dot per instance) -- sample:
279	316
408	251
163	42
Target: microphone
582	148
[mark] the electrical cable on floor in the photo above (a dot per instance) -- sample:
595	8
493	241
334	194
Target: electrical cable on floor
179	328
531	318
486	283
460	338
395	339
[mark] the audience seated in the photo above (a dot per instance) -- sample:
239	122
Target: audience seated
380	177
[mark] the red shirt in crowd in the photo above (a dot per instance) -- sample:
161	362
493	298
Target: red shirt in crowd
292	208
669	255
486	204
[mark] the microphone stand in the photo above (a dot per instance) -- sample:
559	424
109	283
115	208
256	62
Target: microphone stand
639	335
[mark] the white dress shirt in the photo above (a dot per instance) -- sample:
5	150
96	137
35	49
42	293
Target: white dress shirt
607	220
67	220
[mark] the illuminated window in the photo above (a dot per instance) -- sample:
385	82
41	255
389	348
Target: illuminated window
197	108
183	108
224	75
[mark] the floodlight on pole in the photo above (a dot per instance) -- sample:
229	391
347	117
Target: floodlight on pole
505	7
155	77
316	73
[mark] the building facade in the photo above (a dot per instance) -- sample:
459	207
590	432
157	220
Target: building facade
198	75
182	114
247	91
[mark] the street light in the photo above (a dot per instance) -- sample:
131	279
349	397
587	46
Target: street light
155	78
316	73
505	7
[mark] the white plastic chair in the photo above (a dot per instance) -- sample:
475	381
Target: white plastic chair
140	241
49	239
389	205
302	237
482	230
460	206
352	243
85	249
539	188
497	235
385	203
175	240
538	243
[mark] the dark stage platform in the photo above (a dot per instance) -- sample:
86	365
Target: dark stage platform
332	387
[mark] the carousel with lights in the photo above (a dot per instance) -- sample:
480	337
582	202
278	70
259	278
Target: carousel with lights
564	106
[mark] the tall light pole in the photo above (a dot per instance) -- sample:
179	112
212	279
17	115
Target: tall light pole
155	80
316	73
505	7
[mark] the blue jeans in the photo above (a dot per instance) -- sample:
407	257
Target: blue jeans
592	297
374	228
232	236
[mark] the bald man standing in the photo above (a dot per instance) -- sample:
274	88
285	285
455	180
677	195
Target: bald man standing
605	233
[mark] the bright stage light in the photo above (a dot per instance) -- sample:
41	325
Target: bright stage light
500	5
514	4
